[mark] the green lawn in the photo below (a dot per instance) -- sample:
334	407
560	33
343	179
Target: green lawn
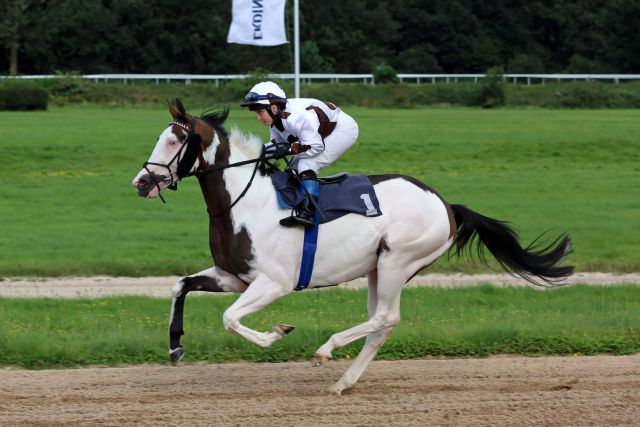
41	333
68	207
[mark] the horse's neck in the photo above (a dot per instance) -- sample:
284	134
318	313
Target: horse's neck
229	240
222	188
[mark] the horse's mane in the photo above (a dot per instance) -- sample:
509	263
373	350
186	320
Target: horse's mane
215	119
249	143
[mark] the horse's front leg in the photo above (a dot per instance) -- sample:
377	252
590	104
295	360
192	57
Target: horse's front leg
262	292
209	280
384	314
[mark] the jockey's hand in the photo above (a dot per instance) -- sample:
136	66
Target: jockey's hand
297	148
280	151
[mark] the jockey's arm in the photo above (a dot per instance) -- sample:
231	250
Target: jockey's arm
309	139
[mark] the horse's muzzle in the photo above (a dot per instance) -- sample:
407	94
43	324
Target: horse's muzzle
147	182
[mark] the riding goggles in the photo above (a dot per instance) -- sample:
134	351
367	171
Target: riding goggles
255	97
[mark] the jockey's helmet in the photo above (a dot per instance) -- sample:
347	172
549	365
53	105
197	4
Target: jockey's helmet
264	94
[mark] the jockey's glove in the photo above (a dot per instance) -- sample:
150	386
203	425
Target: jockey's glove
280	150
297	148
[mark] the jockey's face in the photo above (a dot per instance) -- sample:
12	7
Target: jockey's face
263	117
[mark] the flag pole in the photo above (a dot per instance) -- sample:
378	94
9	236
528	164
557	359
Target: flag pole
296	40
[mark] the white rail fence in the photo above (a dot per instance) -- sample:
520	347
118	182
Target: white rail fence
337	78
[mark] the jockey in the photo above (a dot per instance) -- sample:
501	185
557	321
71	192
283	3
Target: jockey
318	133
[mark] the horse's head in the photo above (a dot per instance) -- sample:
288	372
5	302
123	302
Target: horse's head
177	153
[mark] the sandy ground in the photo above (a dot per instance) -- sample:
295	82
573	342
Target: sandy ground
101	286
602	390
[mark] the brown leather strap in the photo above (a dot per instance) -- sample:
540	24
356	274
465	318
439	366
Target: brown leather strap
331	105
326	126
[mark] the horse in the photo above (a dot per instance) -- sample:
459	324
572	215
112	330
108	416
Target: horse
259	259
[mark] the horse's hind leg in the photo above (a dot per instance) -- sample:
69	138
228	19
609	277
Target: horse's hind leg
374	342
209	280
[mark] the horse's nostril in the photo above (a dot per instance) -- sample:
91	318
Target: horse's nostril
141	183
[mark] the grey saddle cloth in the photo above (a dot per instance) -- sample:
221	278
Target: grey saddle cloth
353	194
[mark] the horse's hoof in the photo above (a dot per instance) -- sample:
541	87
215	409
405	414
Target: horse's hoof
320	360
176	355
337	388
283	329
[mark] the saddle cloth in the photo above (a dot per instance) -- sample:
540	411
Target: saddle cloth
354	194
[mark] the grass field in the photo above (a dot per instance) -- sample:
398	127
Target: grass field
68	207
42	333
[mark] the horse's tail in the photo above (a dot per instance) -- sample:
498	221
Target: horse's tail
502	241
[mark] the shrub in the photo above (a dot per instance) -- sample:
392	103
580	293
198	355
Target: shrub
586	95
23	95
68	86
464	93
492	89
385	74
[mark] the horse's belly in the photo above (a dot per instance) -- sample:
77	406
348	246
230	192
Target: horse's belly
413	226
346	249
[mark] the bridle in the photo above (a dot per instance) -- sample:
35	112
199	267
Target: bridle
173	185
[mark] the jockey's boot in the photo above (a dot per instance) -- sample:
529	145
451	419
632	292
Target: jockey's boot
305	214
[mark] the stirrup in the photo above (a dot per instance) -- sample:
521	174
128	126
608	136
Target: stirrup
288	221
292	221
304	220
301	217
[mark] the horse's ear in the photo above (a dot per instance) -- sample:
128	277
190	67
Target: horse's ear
180	107
177	112
174	113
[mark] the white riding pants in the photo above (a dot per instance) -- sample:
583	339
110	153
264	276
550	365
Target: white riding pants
341	139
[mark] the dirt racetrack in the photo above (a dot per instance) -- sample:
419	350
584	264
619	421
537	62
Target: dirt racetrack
104	286
602	390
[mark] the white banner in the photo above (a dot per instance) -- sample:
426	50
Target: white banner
257	22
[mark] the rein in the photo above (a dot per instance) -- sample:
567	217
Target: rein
200	173
203	172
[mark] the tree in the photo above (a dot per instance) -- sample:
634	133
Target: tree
312	61
418	36
419	58
13	22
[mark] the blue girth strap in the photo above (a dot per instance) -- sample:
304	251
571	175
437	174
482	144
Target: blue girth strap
308	253
310	240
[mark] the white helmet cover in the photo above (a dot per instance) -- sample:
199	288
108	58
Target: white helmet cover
264	93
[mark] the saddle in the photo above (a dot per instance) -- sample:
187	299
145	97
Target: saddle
340	194
332	179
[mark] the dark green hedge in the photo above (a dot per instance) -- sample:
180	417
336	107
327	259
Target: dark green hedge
486	93
23	95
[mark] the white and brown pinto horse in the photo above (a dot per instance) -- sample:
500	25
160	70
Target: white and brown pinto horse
258	258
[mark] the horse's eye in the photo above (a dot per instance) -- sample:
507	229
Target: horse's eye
173	142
